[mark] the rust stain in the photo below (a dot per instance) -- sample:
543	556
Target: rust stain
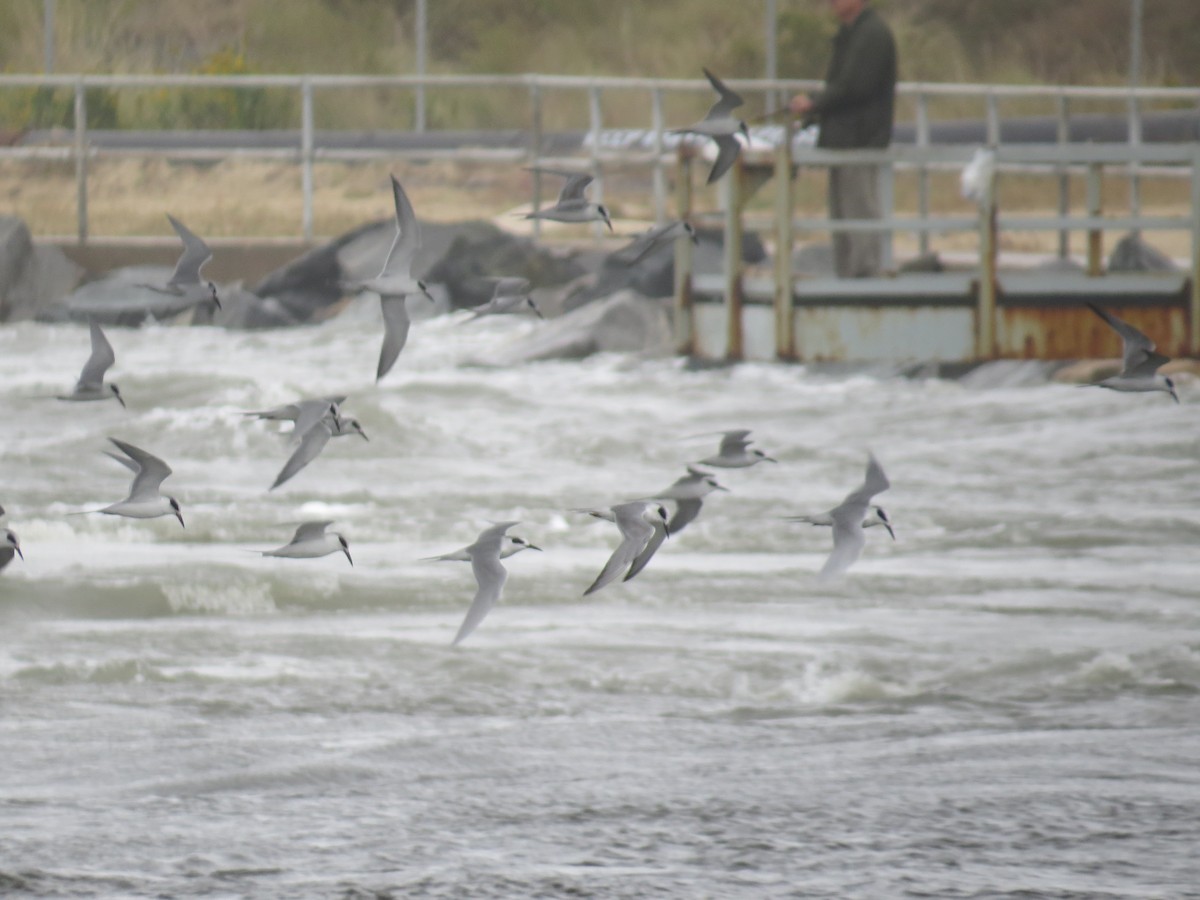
1075	332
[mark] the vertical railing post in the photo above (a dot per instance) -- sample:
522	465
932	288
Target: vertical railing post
1064	178
1095	206
81	165
886	174
594	130
923	170
985	334
993	119
685	333
1194	305
785	334
535	150
659	176
306	156
1135	142
733	188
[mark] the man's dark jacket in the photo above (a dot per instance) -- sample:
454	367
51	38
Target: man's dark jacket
857	106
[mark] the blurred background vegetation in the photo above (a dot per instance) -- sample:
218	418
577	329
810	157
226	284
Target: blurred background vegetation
1011	41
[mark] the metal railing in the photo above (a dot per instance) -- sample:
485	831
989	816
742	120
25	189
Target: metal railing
657	142
1182	159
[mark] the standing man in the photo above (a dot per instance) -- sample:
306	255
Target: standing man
855	109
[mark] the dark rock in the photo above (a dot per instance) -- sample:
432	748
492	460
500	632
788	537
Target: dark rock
654	274
32	278
626	322
1132	254
926	262
119	299
308	288
480	250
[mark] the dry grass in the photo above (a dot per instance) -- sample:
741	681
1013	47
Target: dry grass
241	198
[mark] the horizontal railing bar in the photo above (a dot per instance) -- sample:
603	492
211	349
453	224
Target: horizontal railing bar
606	82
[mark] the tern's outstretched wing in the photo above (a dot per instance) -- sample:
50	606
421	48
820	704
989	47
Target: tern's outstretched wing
728	102
310	448
574	188
728	148
635	533
309	530
195	254
408	236
99	362
395	333
151	471
1137	351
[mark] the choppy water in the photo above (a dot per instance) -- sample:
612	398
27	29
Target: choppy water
1003	702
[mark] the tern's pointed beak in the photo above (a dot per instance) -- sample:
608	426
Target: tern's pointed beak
666	529
19	553
215	298
721	487
362	434
346	550
120	399
1174	396
534	547
890	530
179	516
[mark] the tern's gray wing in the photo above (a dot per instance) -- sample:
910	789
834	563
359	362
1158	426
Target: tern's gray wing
652	545
395	333
195	254
6	556
310	448
874	483
1137	350
728	148
309	530
734	442
151	471
685	512
310	412
636	249
635	533
408	236
489	579
848	543
574	188
99	362
729	99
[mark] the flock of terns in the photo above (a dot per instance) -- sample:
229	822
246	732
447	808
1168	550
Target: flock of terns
644	524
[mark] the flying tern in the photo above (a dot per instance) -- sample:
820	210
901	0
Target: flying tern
1140	361
144	500
11	546
91	384
485	555
639	522
395	281
654	237
310	541
572	206
688	492
734	452
721	125
313	441
847	519
185	281
511	295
